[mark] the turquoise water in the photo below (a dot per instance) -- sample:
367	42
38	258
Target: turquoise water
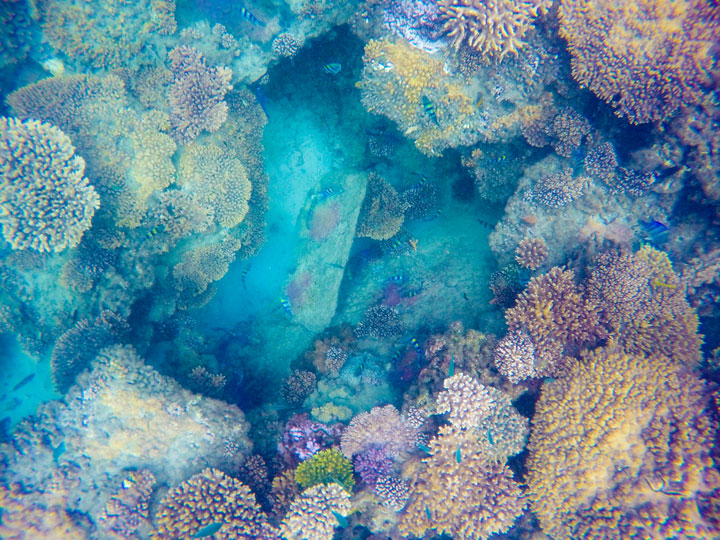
315	270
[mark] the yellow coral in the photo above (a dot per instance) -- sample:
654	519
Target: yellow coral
623	437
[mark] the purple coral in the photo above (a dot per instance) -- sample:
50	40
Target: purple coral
418	21
196	95
303	438
372	464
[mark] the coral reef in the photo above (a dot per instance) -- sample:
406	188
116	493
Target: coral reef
47	203
127	512
531	253
381	427
297	386
515	357
15	38
624	437
418	21
325	467
196	94
659	58
216	180
302	438
314	513
285	45
379	322
383	211
494	28
206	498
558	189
112	35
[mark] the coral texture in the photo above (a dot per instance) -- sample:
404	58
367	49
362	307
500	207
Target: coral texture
46	202
196	95
383	211
206	498
531	253
620	448
646	58
325	467
381	427
494	27
313	513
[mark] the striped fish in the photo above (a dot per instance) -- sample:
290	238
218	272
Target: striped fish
332	68
250	17
430	110
285	303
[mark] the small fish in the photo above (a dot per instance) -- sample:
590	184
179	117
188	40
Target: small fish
451	367
485	224
657	230
250	17
243	276
333	68
424	448
397	245
152	232
58	451
458	455
478	100
400	278
430	110
208	530
326	193
413	243
285	303
423	180
427	513
342	520
24	382
658	283
396	357
465	296
412	292
490	437
417	347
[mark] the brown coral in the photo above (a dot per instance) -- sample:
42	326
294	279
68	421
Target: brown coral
382	212
531	253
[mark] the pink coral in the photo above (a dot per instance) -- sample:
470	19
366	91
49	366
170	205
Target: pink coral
381	427
196	95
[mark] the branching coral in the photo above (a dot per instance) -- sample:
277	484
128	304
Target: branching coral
204	264
620	448
112	34
206	498
314	513
494	27
558	189
642	304
383	211
382	427
217	181
325	467
46	203
196	95
646	58
126	513
531	253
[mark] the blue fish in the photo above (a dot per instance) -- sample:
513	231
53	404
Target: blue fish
430	110
411	293
423	180
342	520
427	513
244	274
490	437
436	215
333	68
261	99
285	303
326	193
58	451
424	448
396	357
451	367
208	530
400	278
250	17
458	455
657	230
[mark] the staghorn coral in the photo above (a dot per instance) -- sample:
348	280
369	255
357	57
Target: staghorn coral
601	162
515	357
126	513
646	58
557	318
209	497
313	513
531	253
196	94
112	34
465	400
217	181
379	322
392	491
570	128
620	449
297	386
46	204
494	27
642	304
558	189
381	427
382	212
325	467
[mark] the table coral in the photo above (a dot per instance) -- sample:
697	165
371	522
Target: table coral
196	95
217	181
646	58
620	449
382	212
112	34
313	514
494	27
47	204
381	427
206	498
